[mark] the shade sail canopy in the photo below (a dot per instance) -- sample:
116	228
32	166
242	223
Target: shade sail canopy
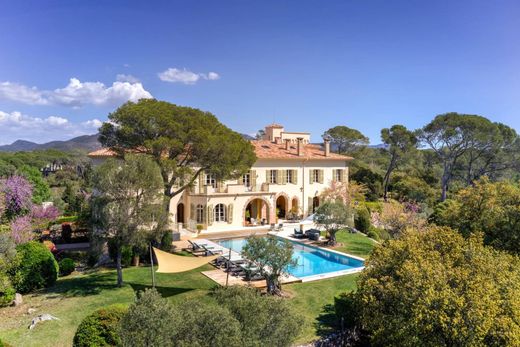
171	263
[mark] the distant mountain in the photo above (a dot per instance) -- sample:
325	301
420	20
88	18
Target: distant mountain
85	142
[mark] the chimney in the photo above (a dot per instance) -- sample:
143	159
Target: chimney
300	146
327	146
287	144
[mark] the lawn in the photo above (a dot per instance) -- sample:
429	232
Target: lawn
354	243
74	297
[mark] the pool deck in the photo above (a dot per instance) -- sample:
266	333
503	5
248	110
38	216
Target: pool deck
220	277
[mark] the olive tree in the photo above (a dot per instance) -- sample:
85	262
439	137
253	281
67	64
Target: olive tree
272	256
333	216
183	141
126	206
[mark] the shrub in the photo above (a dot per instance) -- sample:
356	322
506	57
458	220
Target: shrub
427	288
148	322
362	220
264	320
202	324
346	308
67	266
7	291
373	234
166	241
36	268
101	328
4	344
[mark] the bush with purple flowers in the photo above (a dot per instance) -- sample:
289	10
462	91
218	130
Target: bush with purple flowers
17	194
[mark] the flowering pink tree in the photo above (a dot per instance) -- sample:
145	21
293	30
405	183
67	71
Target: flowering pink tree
22	230
41	216
17	193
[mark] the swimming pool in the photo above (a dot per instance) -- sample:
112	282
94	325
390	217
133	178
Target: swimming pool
312	261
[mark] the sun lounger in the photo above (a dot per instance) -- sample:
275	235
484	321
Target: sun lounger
299	234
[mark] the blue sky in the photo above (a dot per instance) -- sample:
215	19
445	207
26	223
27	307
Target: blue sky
310	65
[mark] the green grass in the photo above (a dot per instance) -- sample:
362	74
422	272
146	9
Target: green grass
76	296
355	244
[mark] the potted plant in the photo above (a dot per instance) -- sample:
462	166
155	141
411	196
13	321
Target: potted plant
199	228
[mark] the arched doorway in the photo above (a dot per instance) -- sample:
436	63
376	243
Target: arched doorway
294	205
315	203
180	213
281	206
256	212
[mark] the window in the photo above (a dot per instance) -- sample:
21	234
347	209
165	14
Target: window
338	175
273	176
315	175
289	176
200	214
246	179
220	213
211	181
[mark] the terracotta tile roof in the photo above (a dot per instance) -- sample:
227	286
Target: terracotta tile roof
103	152
264	150
269	150
274	125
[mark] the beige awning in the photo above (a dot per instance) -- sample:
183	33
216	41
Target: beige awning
171	263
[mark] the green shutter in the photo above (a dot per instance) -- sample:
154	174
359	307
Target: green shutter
280	176
334	176
201	182
295	177
320	176
345	175
211	214
309	205
230	213
267	176
192	211
311	176
204	214
252	175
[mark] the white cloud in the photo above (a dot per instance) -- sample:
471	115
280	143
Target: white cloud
16	125
185	76
127	78
76	93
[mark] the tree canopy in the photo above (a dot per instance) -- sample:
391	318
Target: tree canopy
345	139
491	208
333	216
400	142
183	141
435	288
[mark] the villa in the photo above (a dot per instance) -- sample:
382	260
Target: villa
284	183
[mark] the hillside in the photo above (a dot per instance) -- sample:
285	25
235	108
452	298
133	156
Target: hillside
85	142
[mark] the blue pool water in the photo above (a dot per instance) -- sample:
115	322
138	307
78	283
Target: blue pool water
311	260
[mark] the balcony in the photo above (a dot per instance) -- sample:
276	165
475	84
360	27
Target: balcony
231	189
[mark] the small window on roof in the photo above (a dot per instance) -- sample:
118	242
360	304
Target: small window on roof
292	147
266	146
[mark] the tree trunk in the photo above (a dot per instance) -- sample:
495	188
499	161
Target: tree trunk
119	267
386	180
273	285
332	238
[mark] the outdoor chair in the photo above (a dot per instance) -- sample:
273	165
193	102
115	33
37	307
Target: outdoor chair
279	227
299	234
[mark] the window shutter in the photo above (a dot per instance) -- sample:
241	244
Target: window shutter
192	211
311	176
240	180
295	176
204	214
309	205
267	176
344	175
280	177
320	176
211	214
334	175
230	214
252	174
201	182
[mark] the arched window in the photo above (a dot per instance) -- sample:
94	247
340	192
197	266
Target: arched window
220	213
200	214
